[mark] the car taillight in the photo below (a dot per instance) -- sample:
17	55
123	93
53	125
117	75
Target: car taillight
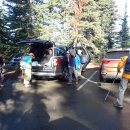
105	61
56	62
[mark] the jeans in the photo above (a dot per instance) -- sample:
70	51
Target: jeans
71	71
122	88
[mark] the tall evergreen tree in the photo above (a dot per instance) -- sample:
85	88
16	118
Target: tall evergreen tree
19	19
124	33
3	29
3	34
51	20
98	23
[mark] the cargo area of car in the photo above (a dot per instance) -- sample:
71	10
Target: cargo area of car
41	54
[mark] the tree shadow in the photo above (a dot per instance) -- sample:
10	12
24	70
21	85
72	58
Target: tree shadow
27	108
22	108
66	123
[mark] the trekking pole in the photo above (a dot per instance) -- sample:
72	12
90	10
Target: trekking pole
112	85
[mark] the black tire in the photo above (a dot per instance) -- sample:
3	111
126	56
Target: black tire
102	79
63	77
36	77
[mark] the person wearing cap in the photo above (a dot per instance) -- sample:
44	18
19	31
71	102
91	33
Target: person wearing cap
66	59
124	81
26	66
65	64
74	65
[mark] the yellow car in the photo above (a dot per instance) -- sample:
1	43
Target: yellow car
108	68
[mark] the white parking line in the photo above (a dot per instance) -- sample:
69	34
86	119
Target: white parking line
82	85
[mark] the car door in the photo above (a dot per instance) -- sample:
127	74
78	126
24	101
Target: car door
83	54
58	59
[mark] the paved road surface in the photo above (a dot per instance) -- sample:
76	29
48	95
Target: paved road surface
54	105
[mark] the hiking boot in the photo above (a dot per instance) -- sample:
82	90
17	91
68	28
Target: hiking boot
118	105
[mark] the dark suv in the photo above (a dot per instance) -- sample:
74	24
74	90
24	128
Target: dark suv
42	66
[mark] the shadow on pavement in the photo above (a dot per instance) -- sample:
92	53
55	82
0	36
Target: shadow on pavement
21	108
66	123
54	105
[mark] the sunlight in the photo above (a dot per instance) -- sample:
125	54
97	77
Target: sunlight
7	107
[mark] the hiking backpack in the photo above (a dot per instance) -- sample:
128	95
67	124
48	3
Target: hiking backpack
127	65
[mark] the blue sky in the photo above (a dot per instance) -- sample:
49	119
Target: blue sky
121	7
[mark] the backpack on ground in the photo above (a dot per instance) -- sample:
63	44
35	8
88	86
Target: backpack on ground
127	65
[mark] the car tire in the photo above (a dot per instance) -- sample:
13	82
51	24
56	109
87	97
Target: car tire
64	77
102	79
36	77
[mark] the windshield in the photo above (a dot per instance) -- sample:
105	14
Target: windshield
116	54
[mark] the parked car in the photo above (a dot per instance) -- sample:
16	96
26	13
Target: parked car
108	69
42	65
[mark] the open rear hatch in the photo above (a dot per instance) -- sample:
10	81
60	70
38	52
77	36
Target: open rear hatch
39	48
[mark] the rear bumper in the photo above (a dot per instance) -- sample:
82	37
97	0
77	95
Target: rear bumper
46	74
111	75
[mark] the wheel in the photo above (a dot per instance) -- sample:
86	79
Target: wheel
64	77
102	79
36	77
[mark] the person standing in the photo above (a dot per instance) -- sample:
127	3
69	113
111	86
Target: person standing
74	65
125	62
79	52
26	66
65	65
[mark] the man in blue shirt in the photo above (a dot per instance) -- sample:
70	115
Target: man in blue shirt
74	65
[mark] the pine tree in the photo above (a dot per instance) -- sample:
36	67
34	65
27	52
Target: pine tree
97	23
51	20
77	8
2	29
19	20
3	35
124	33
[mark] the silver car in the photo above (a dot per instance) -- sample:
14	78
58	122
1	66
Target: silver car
45	65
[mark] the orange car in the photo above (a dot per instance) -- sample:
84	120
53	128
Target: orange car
108	69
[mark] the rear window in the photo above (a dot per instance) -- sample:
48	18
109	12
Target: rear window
116	54
59	51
